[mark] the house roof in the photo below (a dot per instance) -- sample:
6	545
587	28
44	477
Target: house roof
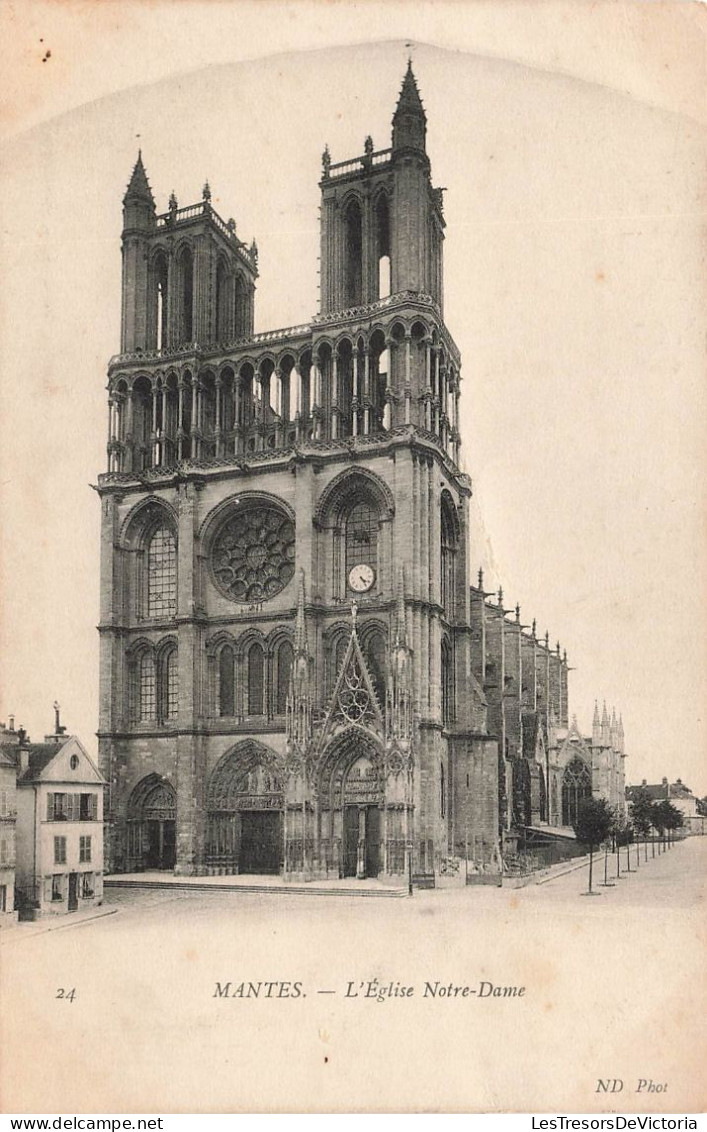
40	755
659	790
50	762
6	755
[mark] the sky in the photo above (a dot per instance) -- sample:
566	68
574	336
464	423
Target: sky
574	287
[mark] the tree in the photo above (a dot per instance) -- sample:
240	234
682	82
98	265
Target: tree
641	807
658	818
672	817
593	824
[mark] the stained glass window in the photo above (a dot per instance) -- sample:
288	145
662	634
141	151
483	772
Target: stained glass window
284	671
448	549
337	659
146	687
361	536
255	680
161	574
226	683
169	685
253	556
374	652
576	786
447	683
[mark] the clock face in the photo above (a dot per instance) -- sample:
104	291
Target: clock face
361	577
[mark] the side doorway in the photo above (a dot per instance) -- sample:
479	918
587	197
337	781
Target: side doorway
73	892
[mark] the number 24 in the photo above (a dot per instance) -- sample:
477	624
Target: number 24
67	995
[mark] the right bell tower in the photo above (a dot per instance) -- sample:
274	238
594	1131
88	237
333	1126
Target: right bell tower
382	223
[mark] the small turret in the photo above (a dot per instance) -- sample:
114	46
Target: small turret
605	727
299	699
409	119
621	735
399	693
138	202
596	726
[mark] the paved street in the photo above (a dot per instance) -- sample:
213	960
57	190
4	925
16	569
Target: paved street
610	989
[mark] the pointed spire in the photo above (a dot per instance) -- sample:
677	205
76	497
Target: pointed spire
298	724
206	192
401	630
409	119
535	628
481	579
500	597
138	186
596	726
398	706
300	622
621	735
518	613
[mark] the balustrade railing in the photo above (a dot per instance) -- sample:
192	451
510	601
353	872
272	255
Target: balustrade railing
358	164
204	209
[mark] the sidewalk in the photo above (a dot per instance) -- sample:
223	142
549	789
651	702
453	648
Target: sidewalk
53	923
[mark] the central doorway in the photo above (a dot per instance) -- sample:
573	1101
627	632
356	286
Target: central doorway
160	851
361	841
261	841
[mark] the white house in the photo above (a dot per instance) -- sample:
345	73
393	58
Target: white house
59	864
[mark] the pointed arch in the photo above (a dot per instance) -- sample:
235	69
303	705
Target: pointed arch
374	645
447	673
255	687
236	774
167	682
284	659
449	547
345	488
576	787
151	824
226	681
353	252
185	294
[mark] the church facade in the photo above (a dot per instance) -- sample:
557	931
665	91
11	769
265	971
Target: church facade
288	674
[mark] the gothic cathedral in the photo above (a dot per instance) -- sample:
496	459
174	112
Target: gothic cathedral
288	681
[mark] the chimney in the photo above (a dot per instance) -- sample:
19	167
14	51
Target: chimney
12	723
23	750
645	782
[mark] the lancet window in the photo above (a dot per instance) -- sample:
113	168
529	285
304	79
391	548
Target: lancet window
161	574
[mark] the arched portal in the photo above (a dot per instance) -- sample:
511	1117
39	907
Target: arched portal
152	812
352	797
576	787
244	802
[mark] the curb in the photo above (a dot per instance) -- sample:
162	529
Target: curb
264	889
20	933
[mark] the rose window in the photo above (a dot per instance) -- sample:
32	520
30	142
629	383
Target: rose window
253	555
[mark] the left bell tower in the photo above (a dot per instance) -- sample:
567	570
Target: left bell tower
187	279
139	222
